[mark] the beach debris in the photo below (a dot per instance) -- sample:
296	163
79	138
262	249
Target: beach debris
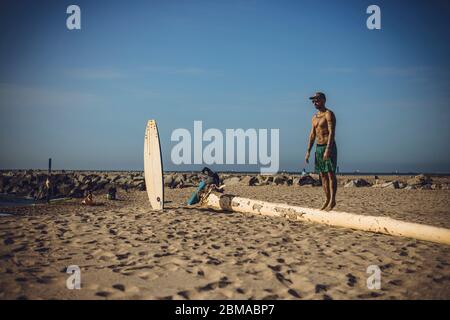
377	224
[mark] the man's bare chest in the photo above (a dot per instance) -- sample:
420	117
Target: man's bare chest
320	122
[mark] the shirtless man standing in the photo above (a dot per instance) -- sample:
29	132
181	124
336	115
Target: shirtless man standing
323	129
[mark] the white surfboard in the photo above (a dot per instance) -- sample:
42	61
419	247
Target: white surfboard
153	169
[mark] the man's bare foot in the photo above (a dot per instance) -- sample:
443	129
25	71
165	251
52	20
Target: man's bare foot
331	206
325	204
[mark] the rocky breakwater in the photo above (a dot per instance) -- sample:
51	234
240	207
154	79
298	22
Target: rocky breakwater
421	181
31	183
183	180
76	184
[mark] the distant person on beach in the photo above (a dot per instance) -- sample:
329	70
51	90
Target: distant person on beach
323	130
111	195
211	181
211	176
89	200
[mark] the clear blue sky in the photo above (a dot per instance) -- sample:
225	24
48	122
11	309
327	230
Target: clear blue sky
83	97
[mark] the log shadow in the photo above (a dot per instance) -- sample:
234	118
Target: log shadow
224	203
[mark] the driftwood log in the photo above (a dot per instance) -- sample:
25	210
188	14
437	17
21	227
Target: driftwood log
333	218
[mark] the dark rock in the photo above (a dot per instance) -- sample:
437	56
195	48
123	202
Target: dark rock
357	183
231	181
307	180
142	186
168	181
264	180
391	185
179	180
249	181
279	180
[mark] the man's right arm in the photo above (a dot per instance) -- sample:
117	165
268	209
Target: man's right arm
312	137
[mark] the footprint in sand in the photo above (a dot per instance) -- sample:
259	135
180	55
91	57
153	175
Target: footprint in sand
103	255
276	268
119	286
122	256
321	287
351	280
396	282
271	297
222	283
103	294
280	277
185	294
46	279
294	293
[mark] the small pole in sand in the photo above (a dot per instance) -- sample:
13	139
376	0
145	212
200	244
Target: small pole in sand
48	183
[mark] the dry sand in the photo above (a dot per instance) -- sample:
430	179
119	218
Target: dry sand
127	251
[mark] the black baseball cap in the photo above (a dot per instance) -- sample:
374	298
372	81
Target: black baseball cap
318	95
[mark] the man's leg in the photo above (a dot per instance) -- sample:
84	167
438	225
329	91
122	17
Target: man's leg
333	189
326	188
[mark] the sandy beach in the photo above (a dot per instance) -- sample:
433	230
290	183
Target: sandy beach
127	251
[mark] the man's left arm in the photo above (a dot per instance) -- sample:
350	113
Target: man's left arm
331	123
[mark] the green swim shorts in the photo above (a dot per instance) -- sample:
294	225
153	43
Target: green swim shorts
328	165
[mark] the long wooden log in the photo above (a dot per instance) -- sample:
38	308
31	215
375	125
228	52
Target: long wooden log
333	218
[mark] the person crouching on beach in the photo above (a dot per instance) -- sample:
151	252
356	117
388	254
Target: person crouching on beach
323	130
89	200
